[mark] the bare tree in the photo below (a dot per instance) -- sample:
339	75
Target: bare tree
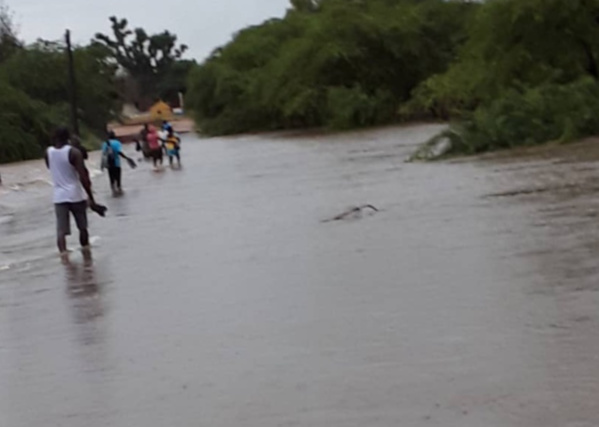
9	41
147	58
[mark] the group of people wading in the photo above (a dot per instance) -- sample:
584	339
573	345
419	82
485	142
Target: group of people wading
155	144
72	187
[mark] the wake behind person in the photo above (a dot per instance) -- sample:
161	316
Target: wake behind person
112	151
71	185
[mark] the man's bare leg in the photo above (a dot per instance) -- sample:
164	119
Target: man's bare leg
84	238
62	243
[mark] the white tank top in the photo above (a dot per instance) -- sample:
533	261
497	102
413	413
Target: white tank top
67	186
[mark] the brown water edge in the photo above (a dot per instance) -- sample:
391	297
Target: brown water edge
218	296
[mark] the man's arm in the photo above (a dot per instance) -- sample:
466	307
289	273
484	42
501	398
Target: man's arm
46	159
83	152
76	159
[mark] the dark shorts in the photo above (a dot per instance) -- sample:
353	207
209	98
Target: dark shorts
63	219
114	174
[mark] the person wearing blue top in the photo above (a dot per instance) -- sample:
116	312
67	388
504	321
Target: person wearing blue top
112	151
166	126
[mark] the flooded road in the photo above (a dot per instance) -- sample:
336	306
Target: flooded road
218	295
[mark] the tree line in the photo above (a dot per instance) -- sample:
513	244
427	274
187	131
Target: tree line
334	63
126	66
505	72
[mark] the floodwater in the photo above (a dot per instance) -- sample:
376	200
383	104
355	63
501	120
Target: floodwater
219	295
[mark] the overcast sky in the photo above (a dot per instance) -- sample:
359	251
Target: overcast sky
201	24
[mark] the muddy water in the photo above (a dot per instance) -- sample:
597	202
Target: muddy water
218	295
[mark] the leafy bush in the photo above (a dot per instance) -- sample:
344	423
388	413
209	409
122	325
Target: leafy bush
24	125
34	96
526	74
550	112
40	72
351	107
514	44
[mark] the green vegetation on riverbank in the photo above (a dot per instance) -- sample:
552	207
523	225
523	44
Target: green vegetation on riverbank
528	74
333	63
506	72
34	94
34	91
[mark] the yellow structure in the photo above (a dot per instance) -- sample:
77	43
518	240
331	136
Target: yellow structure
161	111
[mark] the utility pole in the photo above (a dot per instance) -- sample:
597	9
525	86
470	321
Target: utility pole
72	85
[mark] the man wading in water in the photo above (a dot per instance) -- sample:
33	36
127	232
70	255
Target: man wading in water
71	184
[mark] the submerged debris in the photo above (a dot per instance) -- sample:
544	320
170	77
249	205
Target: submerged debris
352	212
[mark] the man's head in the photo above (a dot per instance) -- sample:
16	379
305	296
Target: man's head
146	126
111	135
170	132
61	136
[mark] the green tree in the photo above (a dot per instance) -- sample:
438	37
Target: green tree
305	5
40	71
99	101
517	44
528	73
24	125
148	59
175	81
9	42
335	63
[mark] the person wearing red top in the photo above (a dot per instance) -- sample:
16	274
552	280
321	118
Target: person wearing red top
154	146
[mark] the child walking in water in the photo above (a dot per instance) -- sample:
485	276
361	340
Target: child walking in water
173	147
